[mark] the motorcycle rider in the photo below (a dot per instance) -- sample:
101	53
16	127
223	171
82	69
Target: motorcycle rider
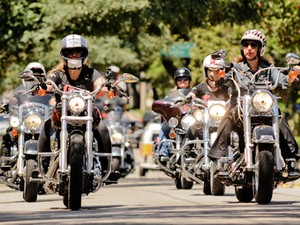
182	80
253	45
75	72
11	138
207	89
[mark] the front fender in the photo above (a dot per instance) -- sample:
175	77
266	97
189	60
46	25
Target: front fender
116	151
31	147
263	134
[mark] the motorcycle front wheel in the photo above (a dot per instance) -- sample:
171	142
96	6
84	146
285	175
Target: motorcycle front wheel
264	177
72	199
30	188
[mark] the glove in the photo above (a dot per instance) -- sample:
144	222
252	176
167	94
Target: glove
4	108
188	98
43	86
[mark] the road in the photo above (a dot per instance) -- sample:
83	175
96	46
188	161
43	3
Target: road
151	200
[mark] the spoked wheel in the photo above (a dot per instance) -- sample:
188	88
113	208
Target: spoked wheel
264	178
30	188
73	198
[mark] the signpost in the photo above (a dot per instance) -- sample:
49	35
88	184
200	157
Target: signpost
179	50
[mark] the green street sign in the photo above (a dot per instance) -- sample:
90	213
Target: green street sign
179	50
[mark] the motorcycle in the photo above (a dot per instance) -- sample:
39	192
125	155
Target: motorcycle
195	163
27	114
75	168
258	167
179	116
122	151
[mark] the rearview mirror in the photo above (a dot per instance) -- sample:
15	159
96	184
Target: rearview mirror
27	75
129	78
292	59
219	54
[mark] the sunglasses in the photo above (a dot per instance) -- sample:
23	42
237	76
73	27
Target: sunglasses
252	44
182	79
213	70
75	51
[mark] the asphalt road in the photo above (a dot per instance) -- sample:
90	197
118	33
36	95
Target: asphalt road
151	200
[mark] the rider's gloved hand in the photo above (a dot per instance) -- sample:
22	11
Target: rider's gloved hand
188	98
43	86
4	108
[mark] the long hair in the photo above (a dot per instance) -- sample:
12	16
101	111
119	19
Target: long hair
241	58
60	67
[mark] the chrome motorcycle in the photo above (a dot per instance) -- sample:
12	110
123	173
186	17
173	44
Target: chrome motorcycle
119	128
75	168
195	163
27	115
258	167
179	116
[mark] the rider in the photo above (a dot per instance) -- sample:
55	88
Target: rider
182	80
207	89
74	71
253	45
11	138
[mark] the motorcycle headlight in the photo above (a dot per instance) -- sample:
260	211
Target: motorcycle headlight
33	121
262	101
216	112
117	137
173	122
187	121
198	115
76	104
14	121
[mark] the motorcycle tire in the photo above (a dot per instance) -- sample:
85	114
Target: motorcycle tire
206	183
244	194
177	180
75	178
217	187
186	184
264	178
116	164
30	188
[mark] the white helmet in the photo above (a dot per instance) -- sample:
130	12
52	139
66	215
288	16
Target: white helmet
257	36
210	63
114	69
37	68
74	43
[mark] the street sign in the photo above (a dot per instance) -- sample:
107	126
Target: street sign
179	50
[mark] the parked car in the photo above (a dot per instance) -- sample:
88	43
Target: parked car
148	139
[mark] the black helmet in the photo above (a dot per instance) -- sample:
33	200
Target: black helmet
183	72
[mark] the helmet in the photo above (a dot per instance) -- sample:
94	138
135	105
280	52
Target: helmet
183	72
71	44
114	69
37	68
257	36
210	63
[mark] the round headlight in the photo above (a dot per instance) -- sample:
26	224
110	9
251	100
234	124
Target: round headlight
187	121
14	121
117	137
216	112
33	121
173	122
198	115
76	104
262	101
